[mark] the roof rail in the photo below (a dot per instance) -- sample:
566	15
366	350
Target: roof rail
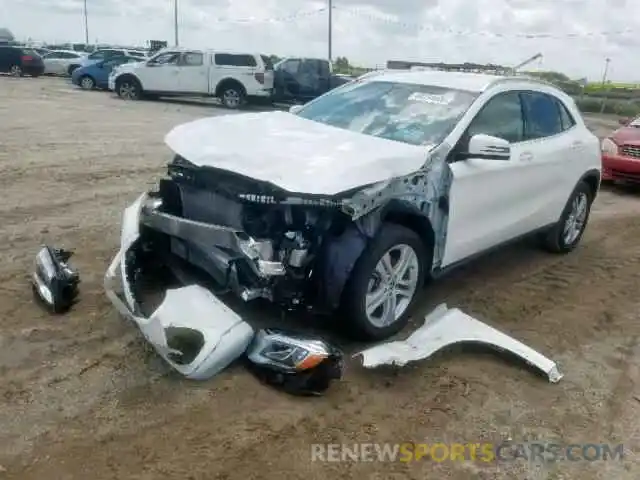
468	67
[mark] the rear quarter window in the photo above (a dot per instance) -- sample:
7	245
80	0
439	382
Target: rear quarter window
235	60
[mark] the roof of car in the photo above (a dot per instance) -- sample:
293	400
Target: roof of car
66	51
472	82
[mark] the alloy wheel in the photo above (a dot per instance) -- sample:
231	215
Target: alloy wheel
392	285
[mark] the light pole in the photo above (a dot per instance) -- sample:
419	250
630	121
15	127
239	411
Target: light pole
86	24
175	19
330	32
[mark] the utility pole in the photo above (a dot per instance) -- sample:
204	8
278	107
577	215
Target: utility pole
330	28
606	70
604	81
86	24
175	19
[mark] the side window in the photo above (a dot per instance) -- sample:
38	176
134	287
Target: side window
192	59
500	117
168	58
291	66
542	115
566	120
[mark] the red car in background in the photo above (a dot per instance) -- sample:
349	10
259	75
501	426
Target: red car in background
621	153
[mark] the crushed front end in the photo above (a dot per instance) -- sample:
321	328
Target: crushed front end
251	238
212	232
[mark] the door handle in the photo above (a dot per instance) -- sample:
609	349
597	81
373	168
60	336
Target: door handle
526	156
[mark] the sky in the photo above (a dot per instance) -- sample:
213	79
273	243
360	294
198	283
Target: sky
574	36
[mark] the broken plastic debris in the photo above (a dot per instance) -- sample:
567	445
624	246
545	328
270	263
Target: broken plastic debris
444	327
54	281
297	364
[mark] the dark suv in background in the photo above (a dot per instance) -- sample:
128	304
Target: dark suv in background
19	61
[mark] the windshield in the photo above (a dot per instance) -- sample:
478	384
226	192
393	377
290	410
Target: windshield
404	112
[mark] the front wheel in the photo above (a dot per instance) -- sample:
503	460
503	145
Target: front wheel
128	89
87	83
384	283
567	233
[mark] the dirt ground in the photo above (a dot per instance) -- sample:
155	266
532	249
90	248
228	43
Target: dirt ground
82	396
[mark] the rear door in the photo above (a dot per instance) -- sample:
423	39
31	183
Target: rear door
193	73
489	199
550	176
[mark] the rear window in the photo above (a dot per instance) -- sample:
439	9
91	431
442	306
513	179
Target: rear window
268	64
30	52
235	60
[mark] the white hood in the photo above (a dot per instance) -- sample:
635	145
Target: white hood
293	153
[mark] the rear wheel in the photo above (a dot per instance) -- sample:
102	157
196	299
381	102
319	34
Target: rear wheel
87	83
232	95
384	283
567	233
16	71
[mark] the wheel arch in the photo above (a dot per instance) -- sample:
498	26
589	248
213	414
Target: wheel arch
592	178
128	76
410	216
228	81
341	253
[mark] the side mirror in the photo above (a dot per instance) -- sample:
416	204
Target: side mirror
295	108
624	121
488	147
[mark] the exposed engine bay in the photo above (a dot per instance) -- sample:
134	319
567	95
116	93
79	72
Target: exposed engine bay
252	238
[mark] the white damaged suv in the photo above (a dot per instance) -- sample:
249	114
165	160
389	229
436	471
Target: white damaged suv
348	203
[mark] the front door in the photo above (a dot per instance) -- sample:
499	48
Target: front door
160	73
490	200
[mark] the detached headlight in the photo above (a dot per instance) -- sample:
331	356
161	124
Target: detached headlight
609	147
55	283
299	365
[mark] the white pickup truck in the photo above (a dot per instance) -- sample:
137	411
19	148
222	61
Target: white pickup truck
234	78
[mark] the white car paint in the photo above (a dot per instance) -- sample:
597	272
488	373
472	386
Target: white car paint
296	154
57	62
198	80
490	201
526	193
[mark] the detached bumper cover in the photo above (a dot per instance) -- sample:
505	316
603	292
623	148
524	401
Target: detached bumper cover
444	327
221	336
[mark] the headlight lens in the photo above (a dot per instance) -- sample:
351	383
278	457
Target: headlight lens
609	147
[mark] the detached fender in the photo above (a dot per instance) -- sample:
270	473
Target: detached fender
340	253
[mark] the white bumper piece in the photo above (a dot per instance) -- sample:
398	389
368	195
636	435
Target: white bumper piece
225	335
444	327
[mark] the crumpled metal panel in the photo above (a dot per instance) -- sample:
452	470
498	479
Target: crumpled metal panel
444	327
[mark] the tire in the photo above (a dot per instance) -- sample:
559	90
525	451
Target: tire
128	88
16	71
565	236
232	95
366	281
87	83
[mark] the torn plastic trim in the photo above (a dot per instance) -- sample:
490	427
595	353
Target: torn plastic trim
444	327
193	311
208	234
